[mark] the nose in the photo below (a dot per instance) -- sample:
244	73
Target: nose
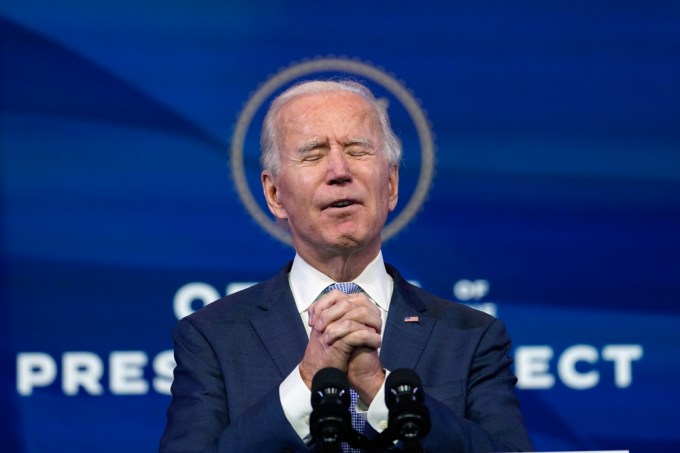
338	170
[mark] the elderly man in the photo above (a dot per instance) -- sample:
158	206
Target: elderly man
245	363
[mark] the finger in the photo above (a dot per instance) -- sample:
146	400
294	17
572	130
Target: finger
368	315
322	303
336	305
350	334
345	310
332	297
327	312
364	338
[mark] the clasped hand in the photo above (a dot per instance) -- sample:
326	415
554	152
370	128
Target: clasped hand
345	335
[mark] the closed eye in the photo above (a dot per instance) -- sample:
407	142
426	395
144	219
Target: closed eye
312	156
313	151
358	152
359	147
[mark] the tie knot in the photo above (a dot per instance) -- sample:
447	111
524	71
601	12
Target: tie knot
345	287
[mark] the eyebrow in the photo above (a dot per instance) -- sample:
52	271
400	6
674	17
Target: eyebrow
359	141
315	144
310	146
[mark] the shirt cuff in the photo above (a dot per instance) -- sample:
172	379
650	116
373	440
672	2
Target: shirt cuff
296	402
377	414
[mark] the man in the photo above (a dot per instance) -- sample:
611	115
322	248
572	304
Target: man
245	363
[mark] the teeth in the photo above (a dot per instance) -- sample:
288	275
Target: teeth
341	204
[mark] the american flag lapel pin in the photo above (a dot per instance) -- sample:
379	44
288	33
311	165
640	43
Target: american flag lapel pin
410	319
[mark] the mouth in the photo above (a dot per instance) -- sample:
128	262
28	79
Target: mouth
339	204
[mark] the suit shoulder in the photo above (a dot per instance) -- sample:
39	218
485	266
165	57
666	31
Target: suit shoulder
234	308
243	304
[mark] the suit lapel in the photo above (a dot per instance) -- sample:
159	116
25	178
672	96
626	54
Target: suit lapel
279	327
404	342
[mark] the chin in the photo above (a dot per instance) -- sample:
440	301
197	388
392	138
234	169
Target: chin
353	242
347	244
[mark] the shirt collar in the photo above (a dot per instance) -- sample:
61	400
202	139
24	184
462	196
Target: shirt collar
307	283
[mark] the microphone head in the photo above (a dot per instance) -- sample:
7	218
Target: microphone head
330	383
330	421
409	418
403	385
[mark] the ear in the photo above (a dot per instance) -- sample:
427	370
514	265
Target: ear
271	194
393	178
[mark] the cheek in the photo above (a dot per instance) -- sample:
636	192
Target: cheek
295	199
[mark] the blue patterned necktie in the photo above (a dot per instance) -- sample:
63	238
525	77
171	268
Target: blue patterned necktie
345	287
358	422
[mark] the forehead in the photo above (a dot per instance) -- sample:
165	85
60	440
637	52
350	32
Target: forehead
320	109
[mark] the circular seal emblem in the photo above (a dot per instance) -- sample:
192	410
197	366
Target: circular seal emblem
354	68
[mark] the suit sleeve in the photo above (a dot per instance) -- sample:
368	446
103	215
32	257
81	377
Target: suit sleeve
198	419
492	420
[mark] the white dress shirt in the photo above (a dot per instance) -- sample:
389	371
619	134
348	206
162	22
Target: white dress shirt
307	284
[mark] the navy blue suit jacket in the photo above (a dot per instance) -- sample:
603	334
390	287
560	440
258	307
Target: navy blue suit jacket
233	354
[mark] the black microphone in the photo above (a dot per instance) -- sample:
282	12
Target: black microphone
409	418
330	422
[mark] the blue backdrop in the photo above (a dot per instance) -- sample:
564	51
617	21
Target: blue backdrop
554	202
